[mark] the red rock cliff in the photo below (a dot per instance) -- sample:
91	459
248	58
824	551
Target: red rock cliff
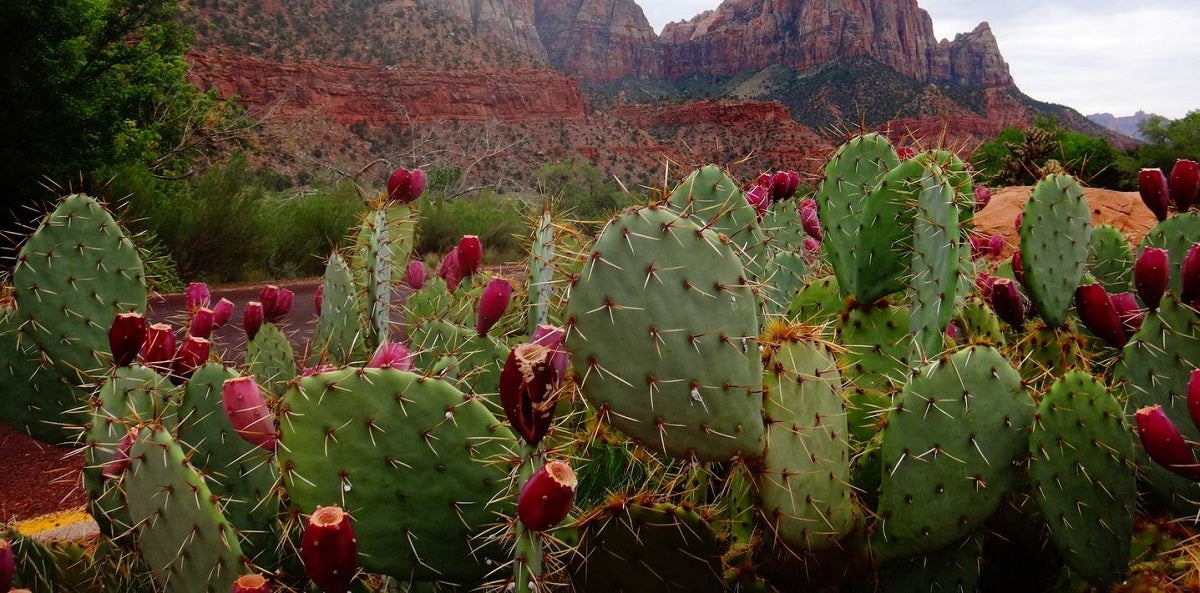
599	40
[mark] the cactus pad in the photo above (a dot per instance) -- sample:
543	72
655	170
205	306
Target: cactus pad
340	334
270	359
1056	231
1110	259
1176	234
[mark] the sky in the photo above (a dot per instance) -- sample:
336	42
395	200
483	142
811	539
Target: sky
1097	56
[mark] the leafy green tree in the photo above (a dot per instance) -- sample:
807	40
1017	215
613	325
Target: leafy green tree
1166	141
580	188
1020	156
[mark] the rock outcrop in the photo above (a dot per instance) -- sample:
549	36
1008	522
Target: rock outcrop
511	21
599	40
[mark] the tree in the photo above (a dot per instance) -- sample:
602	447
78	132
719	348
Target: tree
1167	141
1021	156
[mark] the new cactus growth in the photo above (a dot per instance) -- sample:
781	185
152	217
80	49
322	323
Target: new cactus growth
1152	187
1151	273
251	583
393	355
126	337
248	413
329	549
492	304
546	498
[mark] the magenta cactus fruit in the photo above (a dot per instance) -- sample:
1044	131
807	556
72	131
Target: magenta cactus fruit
202	323
983	197
1164	444
1189	276
1128	311
1152	187
222	312
126	336
329	549
906	152
119	462
252	319
450	270
398	185
417	181
983	283
414	275
251	583
1008	302
492	303
1193	397
196	296
765	180
8	565
316	370
811	221
248	413
267	296
392	355
780	186
759	197
470	255
1018	267
793	182
318	298
1184	184
995	246
552	338
158	351
276	302
192	354
1096	310
1151	272
528	382
546	498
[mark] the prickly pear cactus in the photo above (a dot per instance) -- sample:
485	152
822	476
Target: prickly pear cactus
817	302
876	346
934	264
541	272
270	359
1056	231
1176	234
951	568
340	333
478	359
662	330
949	451
713	198
1110	259
378	277
35	398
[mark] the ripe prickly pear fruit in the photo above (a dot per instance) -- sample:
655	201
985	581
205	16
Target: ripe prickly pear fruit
906	152
983	283
1018	220
546	498
1164	444
793	182
1008	302
1018	267
196	296
1184	184
759	197
983	197
251	583
158	352
318	298
1189	276
192	354
393	355
316	370
1193	397
811	221
202	323
1128	311
417	180
126	336
252	319
765	180
276	302
812	249
398	184
222	312
1096	310
995	246
1152	187
779	186
119	462
979	247
450	270
470	255
414	275
552	338
8	565
492	303
528	383
248	413
1151	272
329	549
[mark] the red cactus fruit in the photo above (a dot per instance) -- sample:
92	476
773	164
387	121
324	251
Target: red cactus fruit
450	270
267	296
318	298
1096	310
906	152
222	312
983	197
392	355
126	336
329	549
316	370
1151	272
546	498
1008	302
196	296
779	186
414	275
158	352
192	354
1152	187
8	565
811	221
979	247
398	185
765	180
1018	220
528	382
1189	275
119	462
470	255
248	413
983	283
1193	397
793	182
251	583
759	197
1164	444
202	323
276	302
1128	311
1184	184
1018	267
252	319
812	249
552	338
492	303
995	246
417	180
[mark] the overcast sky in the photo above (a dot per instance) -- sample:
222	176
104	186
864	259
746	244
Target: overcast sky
1114	56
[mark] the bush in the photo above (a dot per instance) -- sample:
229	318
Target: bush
498	222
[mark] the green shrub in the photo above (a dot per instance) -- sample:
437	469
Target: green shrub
498	222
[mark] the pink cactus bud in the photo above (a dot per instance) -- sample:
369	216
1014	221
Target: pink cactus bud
202	324
983	197
1193	397
552	338
222	312
470	255
765	180
546	498
193	353
1008	302
329	549
1096	310
8	565
979	247
1018	220
952	331
450	270
119	462
906	152
417	180
276	302
793	182
811	222
251	583
126	337
1184	184
1151	272
759	197
1152	187
248	413
1164	444
196	296
316	370
158	352
414	275
528	383
1128	311
398	185
252	319
996	246
812	249
392	355
318	298
983	283
1189	275
779	186
492	303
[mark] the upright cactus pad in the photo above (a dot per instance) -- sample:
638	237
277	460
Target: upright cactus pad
713	198
414	459
817	302
478	359
1056	231
270	358
876	345
1082	477
340	333
1110	259
35	398
934	265
662	330
541	272
379	277
949	450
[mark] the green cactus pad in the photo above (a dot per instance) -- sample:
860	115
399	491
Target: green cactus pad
979	324
662	330
884	252
1056	231
876	344
949	451
805	477
817	302
35	398
713	198
636	547
853	171
952	568
340	335
270	359
1110	259
1045	353
181	532
73	275
934	263
1154	370
541	272
1176	234
402	229
787	268
414	460
1082	476
378	262
478	359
